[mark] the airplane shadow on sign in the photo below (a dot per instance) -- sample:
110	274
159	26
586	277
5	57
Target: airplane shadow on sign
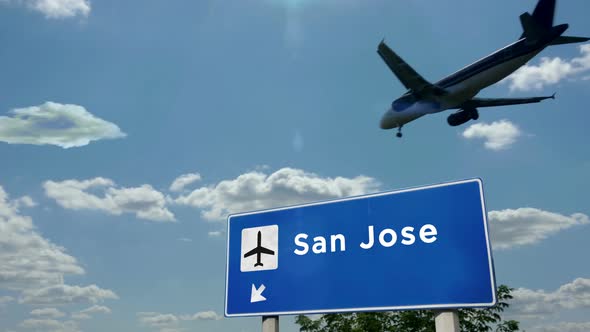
259	250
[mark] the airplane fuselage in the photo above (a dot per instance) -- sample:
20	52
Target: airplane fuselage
464	84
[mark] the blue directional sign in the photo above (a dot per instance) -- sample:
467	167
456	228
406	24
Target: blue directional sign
418	248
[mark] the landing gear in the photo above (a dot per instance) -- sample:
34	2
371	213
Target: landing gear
399	132
474	114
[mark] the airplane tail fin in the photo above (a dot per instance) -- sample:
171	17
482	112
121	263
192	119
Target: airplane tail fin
532	30
544	12
540	22
539	25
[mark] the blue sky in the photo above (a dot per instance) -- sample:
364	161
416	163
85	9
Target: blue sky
252	104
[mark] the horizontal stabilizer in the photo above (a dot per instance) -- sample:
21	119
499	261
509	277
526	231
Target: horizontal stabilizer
569	40
492	102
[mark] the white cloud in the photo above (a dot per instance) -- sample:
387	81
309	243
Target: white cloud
56	8
563	327
524	226
87	313
185	239
27	260
257	190
158	320
540	304
56	124
144	201
215	233
63	294
203	315
25	201
50	325
96	309
184	180
171	322
498	135
48	312
80	316
550	71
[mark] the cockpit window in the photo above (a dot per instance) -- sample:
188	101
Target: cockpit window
403	103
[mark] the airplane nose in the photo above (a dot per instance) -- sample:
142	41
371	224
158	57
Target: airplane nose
387	121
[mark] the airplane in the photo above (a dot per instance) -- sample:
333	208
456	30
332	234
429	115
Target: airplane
258	251
458	90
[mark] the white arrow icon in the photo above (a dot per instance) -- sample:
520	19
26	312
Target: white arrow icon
256	295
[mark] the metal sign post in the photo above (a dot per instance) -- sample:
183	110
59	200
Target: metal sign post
447	321
270	323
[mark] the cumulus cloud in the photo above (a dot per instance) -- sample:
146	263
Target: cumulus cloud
257	190
563	327
144	201
184	180
550	71
539	303
203	315
63	294
48	312
498	135
64	125
56	9
50	325
524	226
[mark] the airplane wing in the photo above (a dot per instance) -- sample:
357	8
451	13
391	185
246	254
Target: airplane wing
261	250
266	251
251	252
491	102
406	74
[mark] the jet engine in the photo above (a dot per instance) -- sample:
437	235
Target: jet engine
461	116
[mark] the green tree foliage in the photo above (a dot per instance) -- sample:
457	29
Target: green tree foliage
471	320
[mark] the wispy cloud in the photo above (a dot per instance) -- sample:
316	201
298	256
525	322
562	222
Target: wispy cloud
171	322
498	135
63	294
203	315
50	325
48	312
144	201
88	312
525	226
27	260
64	125
563	327
35	267
550	71
184	180
5	300
55	9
